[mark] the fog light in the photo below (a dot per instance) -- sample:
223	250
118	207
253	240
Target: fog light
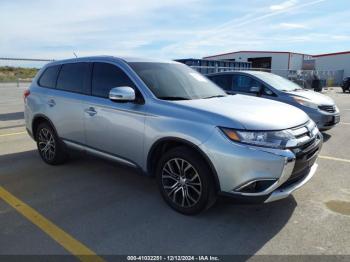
256	186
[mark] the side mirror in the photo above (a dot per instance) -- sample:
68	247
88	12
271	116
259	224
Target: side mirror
122	94
256	90
268	92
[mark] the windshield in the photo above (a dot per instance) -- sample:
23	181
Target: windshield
278	82
173	81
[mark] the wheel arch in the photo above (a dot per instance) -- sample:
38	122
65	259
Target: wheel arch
164	144
37	120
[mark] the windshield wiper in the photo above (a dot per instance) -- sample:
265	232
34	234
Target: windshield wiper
213	96
296	89
173	98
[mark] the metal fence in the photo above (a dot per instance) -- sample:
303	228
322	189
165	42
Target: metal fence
303	78
22	70
216	69
327	78
205	66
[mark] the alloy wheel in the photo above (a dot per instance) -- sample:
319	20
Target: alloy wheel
181	182
46	143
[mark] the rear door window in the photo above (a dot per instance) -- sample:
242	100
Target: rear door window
49	77
107	76
75	78
224	81
242	83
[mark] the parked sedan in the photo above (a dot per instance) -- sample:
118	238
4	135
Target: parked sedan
319	107
346	84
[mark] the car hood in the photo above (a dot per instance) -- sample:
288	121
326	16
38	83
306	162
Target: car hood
314	97
252	113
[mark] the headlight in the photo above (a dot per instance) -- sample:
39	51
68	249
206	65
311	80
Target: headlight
305	102
272	139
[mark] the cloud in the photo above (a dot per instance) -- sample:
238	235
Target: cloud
283	5
57	28
168	28
292	26
341	37
249	31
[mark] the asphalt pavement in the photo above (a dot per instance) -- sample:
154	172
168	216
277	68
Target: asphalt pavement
113	209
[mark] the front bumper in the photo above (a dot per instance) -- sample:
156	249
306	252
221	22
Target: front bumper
284	192
237	166
325	120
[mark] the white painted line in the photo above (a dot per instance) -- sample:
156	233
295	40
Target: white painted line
13	134
344	123
335	159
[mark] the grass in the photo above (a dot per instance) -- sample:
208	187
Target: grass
9	73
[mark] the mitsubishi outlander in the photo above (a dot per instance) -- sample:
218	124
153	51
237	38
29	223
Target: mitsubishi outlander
171	122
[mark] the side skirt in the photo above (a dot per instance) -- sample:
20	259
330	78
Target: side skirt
99	153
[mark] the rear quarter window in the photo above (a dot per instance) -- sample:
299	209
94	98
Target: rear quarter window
49	77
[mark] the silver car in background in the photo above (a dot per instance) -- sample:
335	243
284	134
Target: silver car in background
320	108
171	122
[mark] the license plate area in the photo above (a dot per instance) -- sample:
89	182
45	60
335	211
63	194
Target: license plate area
336	119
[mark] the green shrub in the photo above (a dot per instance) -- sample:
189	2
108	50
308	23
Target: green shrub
9	73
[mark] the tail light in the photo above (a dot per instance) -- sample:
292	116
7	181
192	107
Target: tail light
26	93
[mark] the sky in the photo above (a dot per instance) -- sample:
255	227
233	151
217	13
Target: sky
171	29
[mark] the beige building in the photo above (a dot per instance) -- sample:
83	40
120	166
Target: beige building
333	61
278	62
331	67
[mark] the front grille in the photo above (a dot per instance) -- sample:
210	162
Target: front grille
303	162
305	134
309	143
329	109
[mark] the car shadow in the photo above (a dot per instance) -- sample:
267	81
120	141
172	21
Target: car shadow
115	210
326	137
12	116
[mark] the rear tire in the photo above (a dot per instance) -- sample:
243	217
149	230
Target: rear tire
51	148
185	181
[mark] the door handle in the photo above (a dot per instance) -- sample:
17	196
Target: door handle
51	103
90	111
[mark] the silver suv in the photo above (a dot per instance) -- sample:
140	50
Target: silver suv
170	121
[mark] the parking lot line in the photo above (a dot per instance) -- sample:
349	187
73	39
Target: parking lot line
335	158
75	247
13	134
344	123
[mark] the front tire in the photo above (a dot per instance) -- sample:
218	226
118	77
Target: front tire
185	181
50	147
